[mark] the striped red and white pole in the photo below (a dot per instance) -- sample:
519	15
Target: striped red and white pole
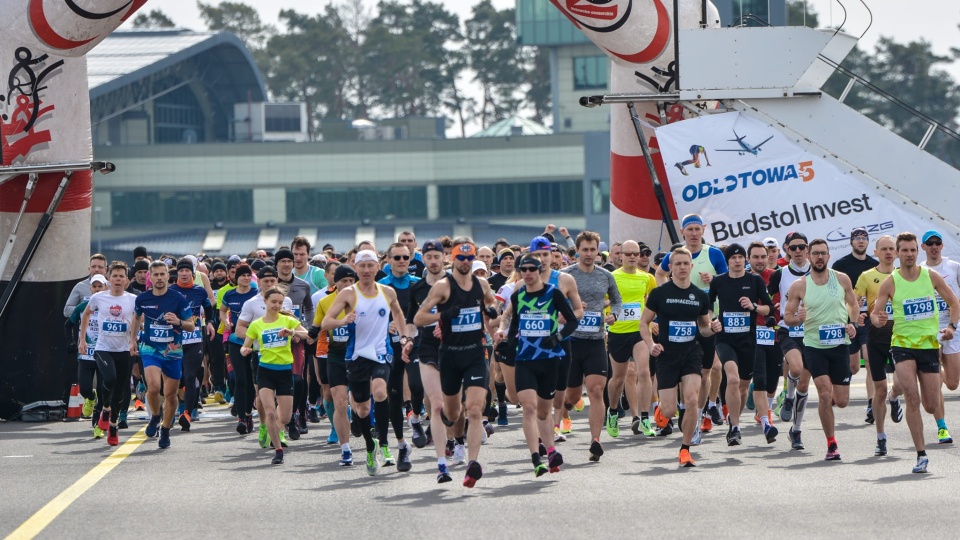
45	120
638	37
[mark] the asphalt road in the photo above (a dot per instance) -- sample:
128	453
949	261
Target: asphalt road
214	481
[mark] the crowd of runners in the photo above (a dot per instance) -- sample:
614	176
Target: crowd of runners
437	339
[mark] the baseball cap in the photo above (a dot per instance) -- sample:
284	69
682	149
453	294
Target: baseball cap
366	255
770	242
283	254
344	271
793	235
478	265
431	245
539	243
98	279
859	231
931	234
267	271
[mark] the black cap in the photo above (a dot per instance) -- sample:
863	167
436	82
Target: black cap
218	266
344	271
328	246
243	269
257	264
184	264
734	249
283	254
139	251
431	245
793	235
530	260
549	237
142	264
267	271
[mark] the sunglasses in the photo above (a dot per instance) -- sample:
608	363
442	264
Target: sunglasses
797	247
529	269
931	243
465	257
401	257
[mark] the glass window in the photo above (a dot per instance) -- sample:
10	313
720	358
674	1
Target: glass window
518	199
590	72
354	204
179	207
600	196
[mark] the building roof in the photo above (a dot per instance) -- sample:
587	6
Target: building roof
514	125
126	57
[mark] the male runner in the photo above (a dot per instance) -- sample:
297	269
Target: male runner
912	290
81	291
824	302
192	341
769	364
300	294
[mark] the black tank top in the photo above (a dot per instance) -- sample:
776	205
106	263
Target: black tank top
467	328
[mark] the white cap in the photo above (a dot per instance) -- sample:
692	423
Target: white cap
770	242
97	278
366	255
193	260
478	265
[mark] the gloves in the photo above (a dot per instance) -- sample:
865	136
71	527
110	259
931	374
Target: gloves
551	341
491	312
313	332
450	313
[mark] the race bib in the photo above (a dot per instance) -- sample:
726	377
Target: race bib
433	310
917	309
394	338
631	311
298	314
590	322
196	336
736	322
113	328
833	334
682	331
534	325
889	308
765	335
795	331
271	339
161	333
467	321
340	334
942	305
863	304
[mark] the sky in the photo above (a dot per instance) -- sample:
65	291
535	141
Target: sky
934	20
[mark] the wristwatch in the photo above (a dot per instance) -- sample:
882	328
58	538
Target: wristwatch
404	340
953	325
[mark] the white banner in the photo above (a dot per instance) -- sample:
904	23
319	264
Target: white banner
749	181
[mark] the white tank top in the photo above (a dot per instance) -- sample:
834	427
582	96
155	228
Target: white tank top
950	270
369	333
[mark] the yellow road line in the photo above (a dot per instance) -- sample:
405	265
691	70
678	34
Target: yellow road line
43	517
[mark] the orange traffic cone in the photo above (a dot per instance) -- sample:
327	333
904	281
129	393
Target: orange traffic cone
76	402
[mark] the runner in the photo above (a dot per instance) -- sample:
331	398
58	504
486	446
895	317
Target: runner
202	310
275	373
853	264
506	260
912	290
535	339
300	249
588	353
231	303
87	365
299	292
741	297
708	261
878	340
624	340
462	301
165	316
321	355
368	363
80	291
138	284
825	300
769	364
681	309
949	350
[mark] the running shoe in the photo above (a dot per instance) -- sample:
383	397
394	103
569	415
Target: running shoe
613	425
686	460
263	437
896	410
557	436
112	438
779	403
771	432
184	421
542	450
566	426
122	420
795	441
283	439
346	458
682	170
715	416
313	416
403	459
502	419
666	430
332	438
293	431
448	450
786	411
373	462
104	421
249	421
164	441
870	418
944	436
555	460
697	437
635	425
355	427
488	428
540	469
241	427
474	473
429	436
733	436
138	405
459	454
707	425
321	410
443	475
88	405
579	406
218	397
750	404
595	450
726	413
153	426
277	458
659	418
881	449
833	452
419	437
97	432
921	466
